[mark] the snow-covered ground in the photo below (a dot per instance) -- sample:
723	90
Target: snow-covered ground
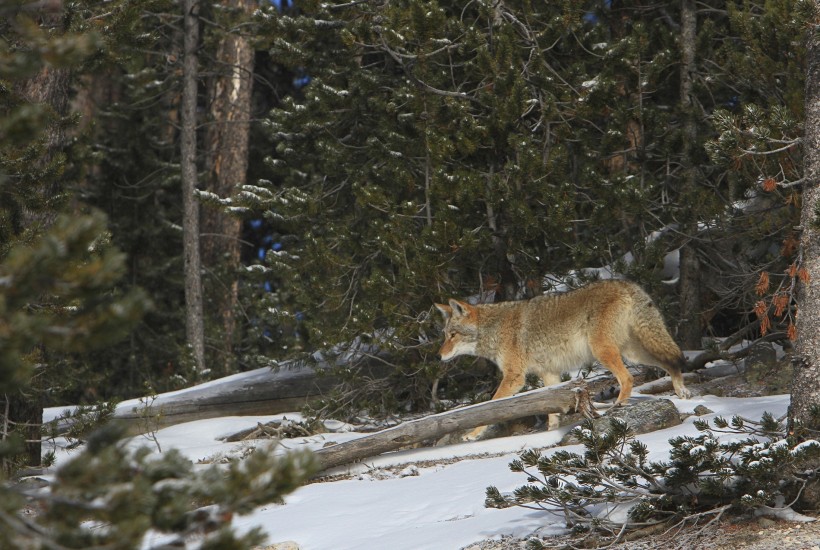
431	498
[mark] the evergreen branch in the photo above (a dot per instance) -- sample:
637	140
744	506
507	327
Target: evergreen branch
348	5
789	145
527	33
409	73
29	529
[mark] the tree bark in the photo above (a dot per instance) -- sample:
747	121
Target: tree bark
194	323
506	287
228	139
263	391
689	330
51	87
806	385
540	401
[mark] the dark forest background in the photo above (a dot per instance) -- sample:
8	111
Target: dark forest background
324	172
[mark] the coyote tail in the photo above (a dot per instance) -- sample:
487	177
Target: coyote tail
653	335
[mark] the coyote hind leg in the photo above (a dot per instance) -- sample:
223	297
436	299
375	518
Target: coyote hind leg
610	357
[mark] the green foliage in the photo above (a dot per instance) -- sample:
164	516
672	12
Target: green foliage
57	300
55	295
74	425
614	485
757	150
26	46
133	491
32	174
449	150
439	150
62	296
135	180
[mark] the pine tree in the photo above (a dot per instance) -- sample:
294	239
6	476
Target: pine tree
56	299
227	143
135	100
133	492
756	153
54	296
36	167
192	264
391	170
132	93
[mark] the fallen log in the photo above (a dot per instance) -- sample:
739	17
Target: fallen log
551	400
259	392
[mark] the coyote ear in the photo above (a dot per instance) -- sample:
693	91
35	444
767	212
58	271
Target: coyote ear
461	309
446	311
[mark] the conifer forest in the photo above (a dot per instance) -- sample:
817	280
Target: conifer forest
191	189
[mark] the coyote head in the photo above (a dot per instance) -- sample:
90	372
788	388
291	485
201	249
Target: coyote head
460	330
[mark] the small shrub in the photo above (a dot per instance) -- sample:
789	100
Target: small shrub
613	486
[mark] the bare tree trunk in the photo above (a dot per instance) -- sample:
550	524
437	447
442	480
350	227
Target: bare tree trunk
506	287
50	87
194	323
689	331
228	144
806	386
803	418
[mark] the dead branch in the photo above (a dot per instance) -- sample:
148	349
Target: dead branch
708	356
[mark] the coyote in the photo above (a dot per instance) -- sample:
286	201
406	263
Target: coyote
553	333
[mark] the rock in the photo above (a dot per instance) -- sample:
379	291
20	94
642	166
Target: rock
765	523
765	373
642	417
700	410
761	354
287	545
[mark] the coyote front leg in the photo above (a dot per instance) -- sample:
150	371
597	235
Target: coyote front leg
511	382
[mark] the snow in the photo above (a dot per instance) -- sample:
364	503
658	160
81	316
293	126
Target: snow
590	84
442	507
415	499
803	445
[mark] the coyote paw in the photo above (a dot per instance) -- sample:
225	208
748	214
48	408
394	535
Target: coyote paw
474	435
681	390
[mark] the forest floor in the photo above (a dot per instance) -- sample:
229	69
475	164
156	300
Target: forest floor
749	534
